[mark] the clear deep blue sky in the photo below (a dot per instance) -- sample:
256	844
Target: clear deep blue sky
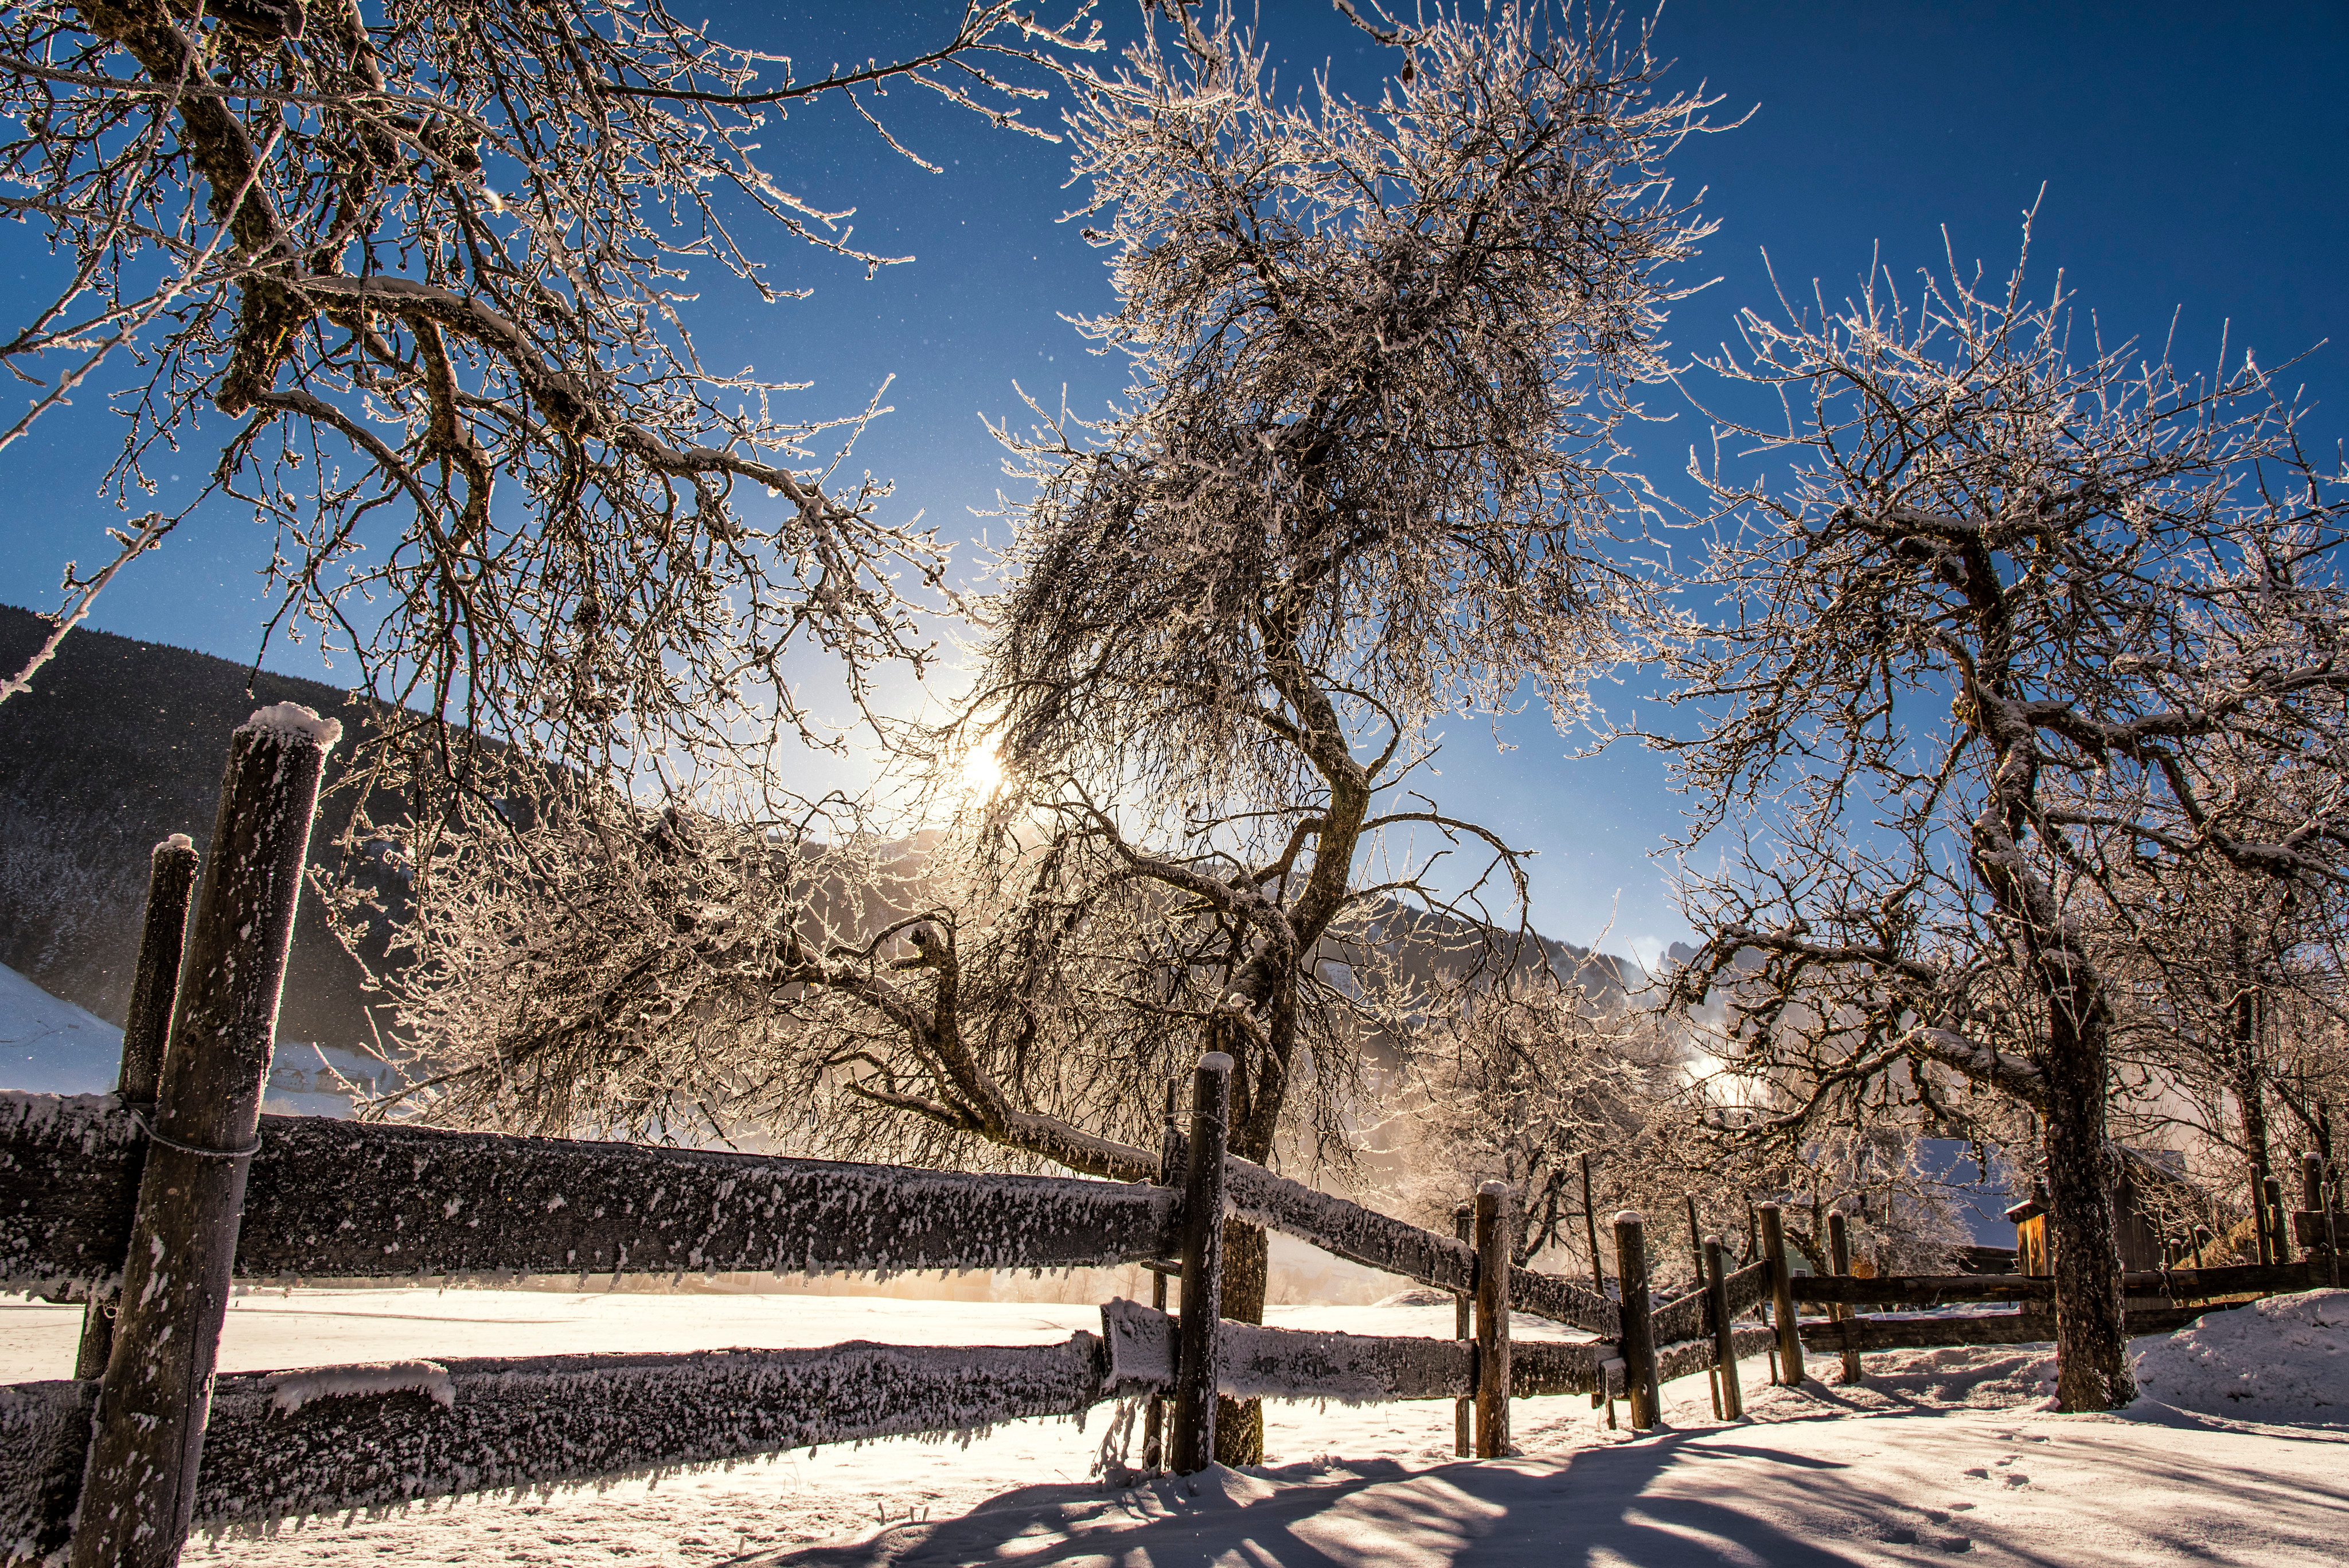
2193	157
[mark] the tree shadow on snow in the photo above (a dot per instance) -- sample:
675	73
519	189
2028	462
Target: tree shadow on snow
1586	1507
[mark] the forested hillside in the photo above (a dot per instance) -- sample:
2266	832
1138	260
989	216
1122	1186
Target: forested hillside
118	743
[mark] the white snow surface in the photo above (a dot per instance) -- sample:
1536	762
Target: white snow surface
292	1390
294	722
1939	1452
2282	1359
49	1046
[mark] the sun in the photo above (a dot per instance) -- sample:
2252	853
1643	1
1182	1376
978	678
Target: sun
981	774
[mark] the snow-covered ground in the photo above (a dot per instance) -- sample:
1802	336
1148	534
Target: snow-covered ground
2239	1454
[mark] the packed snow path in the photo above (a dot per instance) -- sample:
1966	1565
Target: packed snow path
1939	1455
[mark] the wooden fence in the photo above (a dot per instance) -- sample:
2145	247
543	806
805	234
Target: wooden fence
148	1203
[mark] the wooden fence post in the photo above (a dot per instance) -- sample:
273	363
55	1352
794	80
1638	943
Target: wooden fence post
1696	1247
2272	1190
1782	1295
1464	1310
2264	1244
1597	1283
147	1438
1495	1239
2314	1199
154	981
1639	1329
1725	1335
1203	1267
1154	1416
1839	1260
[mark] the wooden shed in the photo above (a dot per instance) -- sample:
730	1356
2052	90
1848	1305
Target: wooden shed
2137	1197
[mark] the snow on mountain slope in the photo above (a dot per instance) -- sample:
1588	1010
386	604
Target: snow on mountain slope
49	1046
53	1047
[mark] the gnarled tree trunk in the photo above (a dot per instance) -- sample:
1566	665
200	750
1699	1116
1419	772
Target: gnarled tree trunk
1240	1423
2091	1341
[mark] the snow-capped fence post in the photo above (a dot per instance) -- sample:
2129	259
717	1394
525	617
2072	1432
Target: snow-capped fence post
1839	1260
154	981
1493	1262
1639	1328
139	1498
1782	1295
1725	1335
1464	1318
1195	1364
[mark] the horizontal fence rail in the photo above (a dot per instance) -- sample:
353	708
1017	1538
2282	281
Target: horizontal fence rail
338	1199
1256	1362
1691	1357
288	1444
1678	1320
1969	1328
1936	1289
1347	1229
1538	1366
1748	1288
1563	1301
1351	1368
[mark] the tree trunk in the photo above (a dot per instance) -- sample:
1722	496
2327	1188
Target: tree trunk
1240	1423
2091	1343
2250	1091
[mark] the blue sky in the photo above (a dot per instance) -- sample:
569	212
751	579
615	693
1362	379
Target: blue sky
2193	159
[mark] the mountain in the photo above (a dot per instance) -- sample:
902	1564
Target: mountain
118	744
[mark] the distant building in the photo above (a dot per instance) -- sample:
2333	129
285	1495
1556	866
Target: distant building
2147	1193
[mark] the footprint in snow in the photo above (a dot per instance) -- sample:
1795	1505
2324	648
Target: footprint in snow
2015	1478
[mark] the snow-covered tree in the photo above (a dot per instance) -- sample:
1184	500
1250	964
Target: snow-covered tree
1520	1081
422	274
2011	608
2233	1021
1364	479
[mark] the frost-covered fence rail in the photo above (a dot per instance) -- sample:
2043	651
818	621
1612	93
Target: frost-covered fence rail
1340	1226
1254	1362
328	1200
2190	1292
287	1443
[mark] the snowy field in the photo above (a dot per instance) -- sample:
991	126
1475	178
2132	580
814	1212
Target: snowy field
1942	1452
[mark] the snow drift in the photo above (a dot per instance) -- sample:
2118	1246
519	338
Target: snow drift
2284	1360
